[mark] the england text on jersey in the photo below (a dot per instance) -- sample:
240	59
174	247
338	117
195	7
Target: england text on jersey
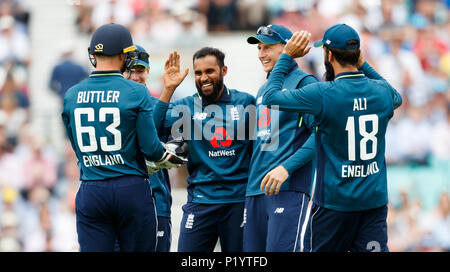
101	160
354	171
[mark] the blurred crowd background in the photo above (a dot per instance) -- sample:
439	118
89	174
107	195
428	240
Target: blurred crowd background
407	41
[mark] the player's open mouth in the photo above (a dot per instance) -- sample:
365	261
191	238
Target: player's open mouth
207	86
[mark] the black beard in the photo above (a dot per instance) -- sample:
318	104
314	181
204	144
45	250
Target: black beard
214	95
329	71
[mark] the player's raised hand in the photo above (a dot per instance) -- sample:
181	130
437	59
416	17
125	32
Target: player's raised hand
297	46
172	76
273	180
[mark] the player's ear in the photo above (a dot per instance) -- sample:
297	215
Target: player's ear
224	70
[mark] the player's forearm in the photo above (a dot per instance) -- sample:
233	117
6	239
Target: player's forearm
290	100
147	135
159	114
302	156
166	95
369	71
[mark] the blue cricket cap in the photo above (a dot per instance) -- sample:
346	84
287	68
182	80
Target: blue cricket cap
111	39
337	36
142	59
271	34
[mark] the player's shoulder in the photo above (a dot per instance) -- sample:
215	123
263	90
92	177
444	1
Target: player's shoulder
382	83
297	72
321	86
138	87
242	96
72	91
188	100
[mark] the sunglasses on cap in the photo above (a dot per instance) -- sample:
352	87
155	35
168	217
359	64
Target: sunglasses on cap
267	31
141	55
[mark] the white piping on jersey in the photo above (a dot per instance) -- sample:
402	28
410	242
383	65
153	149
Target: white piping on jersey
344	76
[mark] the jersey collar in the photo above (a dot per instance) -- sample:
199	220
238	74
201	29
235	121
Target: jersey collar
106	73
225	97
357	74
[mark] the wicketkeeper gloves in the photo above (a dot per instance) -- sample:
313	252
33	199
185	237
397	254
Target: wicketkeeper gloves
175	154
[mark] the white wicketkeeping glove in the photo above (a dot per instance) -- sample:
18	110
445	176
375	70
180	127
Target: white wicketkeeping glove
175	154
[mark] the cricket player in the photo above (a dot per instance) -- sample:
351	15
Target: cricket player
159	181
219	156
109	122
281	168
352	110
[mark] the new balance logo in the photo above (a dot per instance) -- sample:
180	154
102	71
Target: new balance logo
279	210
189	221
199	116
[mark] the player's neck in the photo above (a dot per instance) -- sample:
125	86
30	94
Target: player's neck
108	66
343	69
219	94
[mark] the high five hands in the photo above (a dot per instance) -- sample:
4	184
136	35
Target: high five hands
172	76
297	46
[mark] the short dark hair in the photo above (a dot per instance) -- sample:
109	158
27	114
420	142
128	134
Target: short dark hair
205	51
346	56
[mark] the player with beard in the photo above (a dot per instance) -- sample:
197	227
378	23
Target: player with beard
352	110
213	122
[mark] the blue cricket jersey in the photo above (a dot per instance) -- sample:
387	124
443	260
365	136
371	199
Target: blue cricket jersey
160	182
219	143
109	122
352	113
283	138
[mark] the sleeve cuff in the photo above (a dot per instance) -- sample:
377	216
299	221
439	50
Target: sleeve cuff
162	104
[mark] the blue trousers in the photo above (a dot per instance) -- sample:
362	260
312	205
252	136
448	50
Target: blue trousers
274	223
120	208
164	234
203	224
334	231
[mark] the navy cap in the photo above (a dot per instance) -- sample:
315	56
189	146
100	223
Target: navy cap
111	39
271	34
142	59
337	36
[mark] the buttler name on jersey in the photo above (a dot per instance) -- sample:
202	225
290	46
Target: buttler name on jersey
98	97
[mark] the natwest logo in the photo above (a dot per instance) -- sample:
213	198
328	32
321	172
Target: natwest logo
264	118
220	138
